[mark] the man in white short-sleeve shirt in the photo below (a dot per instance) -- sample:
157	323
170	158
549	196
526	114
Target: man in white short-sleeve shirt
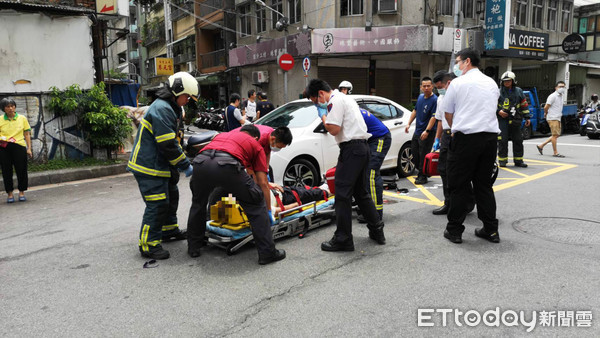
342	118
553	114
470	109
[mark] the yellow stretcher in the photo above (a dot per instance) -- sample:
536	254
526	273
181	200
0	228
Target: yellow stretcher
229	227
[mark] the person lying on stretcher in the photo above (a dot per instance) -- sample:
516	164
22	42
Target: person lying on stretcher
285	198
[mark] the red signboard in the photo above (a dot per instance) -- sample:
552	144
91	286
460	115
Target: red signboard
286	61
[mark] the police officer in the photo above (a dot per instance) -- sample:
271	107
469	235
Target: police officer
470	109
233	116
222	164
512	109
263	106
342	119
345	87
154	161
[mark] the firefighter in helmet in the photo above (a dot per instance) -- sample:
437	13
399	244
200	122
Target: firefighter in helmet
512	109
156	160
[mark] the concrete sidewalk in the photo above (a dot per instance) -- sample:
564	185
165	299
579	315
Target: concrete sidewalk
71	174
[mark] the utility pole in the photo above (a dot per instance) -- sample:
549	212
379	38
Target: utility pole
282	25
456	26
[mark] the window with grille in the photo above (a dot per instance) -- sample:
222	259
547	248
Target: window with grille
278	6
468	8
245	24
294	11
351	7
521	12
446	7
566	16
536	19
261	19
387	5
552	7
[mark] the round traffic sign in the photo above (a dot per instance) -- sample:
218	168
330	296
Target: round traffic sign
285	61
306	64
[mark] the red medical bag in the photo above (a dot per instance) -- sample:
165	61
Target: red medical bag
330	178
430	164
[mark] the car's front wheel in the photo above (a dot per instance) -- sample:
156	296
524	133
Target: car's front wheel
405	165
301	172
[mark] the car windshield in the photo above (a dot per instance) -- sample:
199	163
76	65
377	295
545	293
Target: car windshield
291	115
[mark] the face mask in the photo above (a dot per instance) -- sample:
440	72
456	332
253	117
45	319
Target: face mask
442	91
275	149
561	90
457	70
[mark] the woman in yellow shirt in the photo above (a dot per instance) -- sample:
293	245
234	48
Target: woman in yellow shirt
15	146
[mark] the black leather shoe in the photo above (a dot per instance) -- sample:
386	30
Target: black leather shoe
277	256
494	238
421	180
334	245
443	210
194	252
452	238
377	235
521	164
176	236
361	219
157	253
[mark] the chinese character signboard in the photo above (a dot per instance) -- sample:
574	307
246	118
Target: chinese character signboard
525	45
497	24
163	66
265	51
378	39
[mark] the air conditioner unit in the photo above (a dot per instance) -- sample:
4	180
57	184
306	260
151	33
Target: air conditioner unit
260	77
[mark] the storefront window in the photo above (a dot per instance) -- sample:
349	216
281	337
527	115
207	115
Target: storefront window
589	43
591	24
583	25
538	6
552	6
566	16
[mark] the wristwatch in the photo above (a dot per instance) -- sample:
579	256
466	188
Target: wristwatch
428	130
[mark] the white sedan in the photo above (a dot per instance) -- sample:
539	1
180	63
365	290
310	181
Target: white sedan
313	151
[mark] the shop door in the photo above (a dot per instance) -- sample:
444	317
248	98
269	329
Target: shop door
394	84
359	77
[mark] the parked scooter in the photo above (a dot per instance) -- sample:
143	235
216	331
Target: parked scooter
584	115
211	119
196	142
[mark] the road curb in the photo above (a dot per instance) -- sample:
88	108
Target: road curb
73	174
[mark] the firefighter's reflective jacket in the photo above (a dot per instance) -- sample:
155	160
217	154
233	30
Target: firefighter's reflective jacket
156	146
513	102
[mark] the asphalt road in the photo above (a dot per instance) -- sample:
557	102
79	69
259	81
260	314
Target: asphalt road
69	266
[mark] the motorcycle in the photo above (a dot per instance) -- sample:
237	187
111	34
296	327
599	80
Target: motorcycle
584	115
212	119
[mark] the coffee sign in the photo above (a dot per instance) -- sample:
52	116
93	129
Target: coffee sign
572	43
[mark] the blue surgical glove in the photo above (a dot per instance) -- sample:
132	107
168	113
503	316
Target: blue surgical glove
322	112
436	144
271	218
189	171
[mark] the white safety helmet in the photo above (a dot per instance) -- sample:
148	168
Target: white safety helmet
346	84
509	76
183	83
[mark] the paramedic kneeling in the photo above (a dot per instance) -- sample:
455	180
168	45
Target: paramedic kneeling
342	119
221	164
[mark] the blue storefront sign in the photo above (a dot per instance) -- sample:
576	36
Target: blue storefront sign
497	24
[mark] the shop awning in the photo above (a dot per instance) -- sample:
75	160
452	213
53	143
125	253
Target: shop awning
209	79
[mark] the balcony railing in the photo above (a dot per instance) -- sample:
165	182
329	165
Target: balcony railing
183	58
214	59
155	35
178	13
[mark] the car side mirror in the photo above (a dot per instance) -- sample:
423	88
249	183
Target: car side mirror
320	129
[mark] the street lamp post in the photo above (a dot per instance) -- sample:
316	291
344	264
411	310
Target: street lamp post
282	25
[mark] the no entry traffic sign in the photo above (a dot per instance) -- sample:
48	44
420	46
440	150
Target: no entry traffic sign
285	61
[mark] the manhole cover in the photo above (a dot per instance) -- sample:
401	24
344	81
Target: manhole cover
562	230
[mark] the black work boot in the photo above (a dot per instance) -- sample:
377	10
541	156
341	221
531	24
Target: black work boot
278	255
521	164
443	210
333	245
376	233
178	235
156	252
